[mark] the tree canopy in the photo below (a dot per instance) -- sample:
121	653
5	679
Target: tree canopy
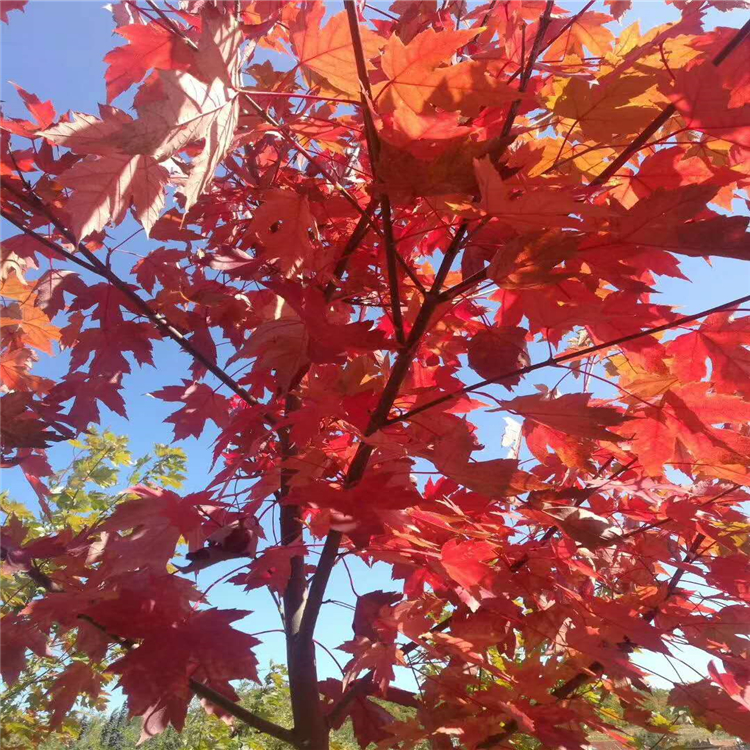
369	230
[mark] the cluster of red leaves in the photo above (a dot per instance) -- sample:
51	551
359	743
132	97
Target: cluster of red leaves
417	194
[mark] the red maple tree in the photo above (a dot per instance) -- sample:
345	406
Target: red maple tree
416	194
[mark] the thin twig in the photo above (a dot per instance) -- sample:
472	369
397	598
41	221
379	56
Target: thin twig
552	361
249	718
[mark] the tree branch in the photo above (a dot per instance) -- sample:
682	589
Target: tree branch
377	420
47	242
359	233
373	146
241	713
665	114
465	285
527	67
596	668
204	691
170	24
309	722
159	320
552	361
391	254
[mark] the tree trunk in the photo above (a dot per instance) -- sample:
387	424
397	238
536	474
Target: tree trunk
310	725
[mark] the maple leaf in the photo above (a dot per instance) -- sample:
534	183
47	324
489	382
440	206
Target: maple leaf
526	209
365	623
406	175
51	287
497	350
22	425
731	573
328	51
497	478
713	706
326	340
470	86
131	605
231	540
86	392
569	413
609	108
418	82
158	519
201	404
590	529
218	131
728	683
76	679
410	68
8	5
700	96
733	70
531	260
586	32
669	168
425	136
17	637
42	112
14	372
619	7
724	342
466	562
149	46
17	557
666	219
572	451
176	109
26	317
105	187
87	134
678	432
378	658
273	568
169	229
283	224
279	345
203	647
159	265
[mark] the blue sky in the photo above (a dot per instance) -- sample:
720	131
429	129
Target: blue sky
55	50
